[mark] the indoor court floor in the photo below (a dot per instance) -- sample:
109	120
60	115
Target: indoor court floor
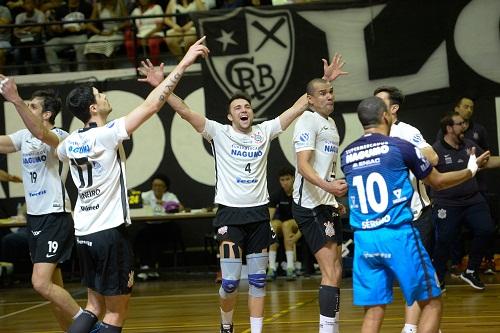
190	304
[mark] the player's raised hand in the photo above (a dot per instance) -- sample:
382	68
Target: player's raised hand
152	75
8	89
333	70
196	50
483	159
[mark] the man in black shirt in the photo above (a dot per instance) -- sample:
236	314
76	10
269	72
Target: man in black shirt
280	210
462	204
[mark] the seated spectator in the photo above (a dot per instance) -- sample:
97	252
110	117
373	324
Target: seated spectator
14	247
70	34
109	37
28	40
5	18
280	209
182	33
15	7
150	240
149	31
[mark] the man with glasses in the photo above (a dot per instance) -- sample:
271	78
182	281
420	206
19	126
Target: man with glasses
462	204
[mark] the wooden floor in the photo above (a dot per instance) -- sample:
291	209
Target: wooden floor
190	305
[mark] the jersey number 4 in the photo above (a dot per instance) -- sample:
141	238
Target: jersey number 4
366	192
82	165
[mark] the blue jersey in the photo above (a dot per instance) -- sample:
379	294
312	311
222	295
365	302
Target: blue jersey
377	171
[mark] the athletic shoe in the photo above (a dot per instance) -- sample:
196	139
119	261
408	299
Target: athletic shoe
290	274
153	275
473	280
490	267
226	328
271	274
143	276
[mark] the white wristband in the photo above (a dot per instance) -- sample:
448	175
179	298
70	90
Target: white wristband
472	164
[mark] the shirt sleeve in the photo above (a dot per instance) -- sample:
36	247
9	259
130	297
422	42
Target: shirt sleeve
304	135
211	129
17	139
413	136
61	151
273	127
115	133
414	160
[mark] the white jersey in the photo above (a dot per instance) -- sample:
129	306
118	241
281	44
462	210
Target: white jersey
404	131
98	172
314	132
43	188
241	162
149	199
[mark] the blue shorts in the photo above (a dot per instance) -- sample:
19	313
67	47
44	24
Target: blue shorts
383	254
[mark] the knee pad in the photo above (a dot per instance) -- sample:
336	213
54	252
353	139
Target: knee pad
329	300
231	271
257	264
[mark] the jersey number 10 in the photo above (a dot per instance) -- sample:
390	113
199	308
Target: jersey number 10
366	192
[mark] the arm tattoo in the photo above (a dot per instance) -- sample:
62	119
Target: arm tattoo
169	87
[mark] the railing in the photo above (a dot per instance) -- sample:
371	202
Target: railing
119	59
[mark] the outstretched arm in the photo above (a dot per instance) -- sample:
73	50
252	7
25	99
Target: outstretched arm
6	145
430	154
441	181
160	94
154	76
35	125
6	177
287	117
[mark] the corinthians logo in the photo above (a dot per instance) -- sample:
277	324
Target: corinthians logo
240	44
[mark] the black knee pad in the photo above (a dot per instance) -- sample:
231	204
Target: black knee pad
83	323
329	300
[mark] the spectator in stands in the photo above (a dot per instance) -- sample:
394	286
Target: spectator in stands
151	238
15	7
108	36
182	33
149	31
280	210
70	34
28	39
5	18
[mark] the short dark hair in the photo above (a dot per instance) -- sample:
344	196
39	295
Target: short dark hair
287	171
79	101
312	83
164	178
396	96
447	120
51	102
239	95
370	111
